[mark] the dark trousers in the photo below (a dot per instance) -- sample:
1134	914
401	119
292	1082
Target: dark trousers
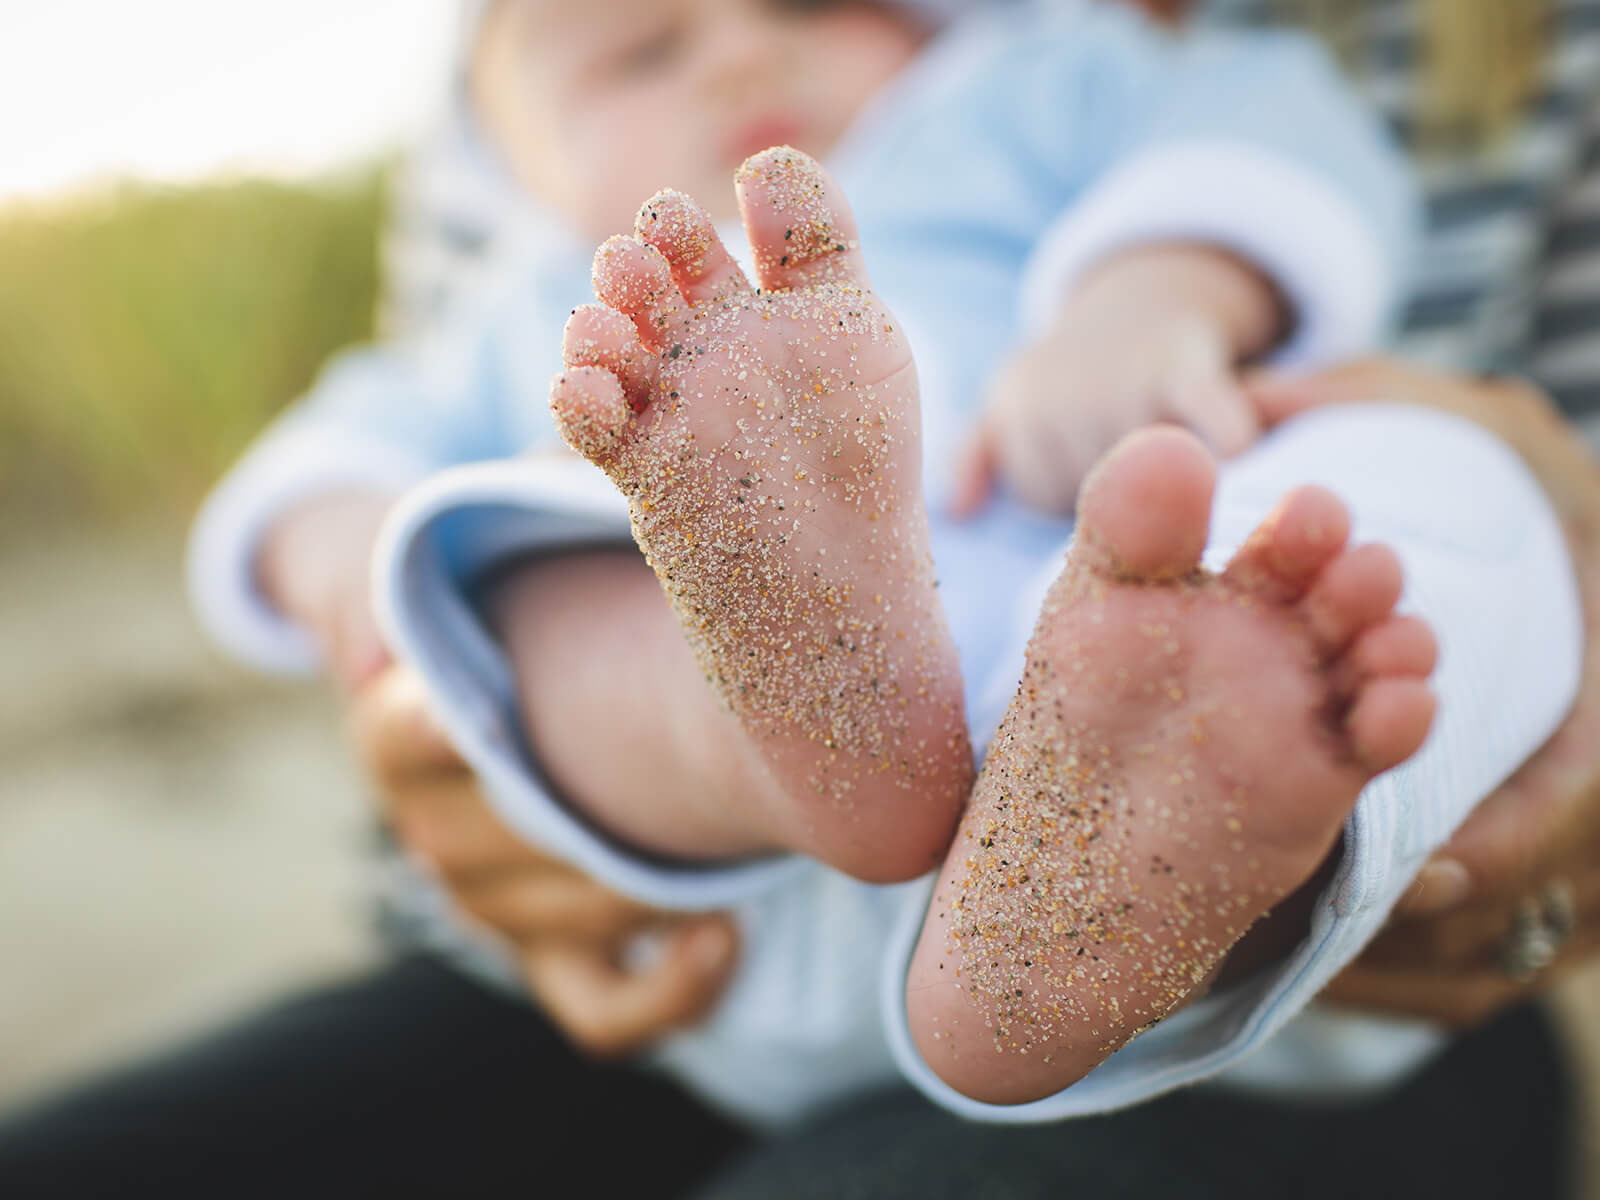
1492	1117
412	1082
418	1082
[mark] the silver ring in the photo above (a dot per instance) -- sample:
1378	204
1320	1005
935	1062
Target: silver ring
1539	928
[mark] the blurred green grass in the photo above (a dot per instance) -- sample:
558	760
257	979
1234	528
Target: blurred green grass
147	333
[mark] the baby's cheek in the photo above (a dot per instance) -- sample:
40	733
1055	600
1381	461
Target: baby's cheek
614	185
853	51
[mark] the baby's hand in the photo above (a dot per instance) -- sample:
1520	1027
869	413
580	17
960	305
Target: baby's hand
313	567
1152	335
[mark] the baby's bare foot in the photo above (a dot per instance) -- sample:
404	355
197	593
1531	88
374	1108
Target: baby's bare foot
1181	753
769	443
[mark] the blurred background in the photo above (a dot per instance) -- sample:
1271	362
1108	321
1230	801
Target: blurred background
190	200
190	197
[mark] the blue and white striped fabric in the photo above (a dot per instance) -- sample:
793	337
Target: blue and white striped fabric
1509	275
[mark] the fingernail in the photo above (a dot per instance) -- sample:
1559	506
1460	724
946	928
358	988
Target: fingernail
1440	886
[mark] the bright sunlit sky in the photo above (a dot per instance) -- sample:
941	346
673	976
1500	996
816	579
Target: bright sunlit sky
179	89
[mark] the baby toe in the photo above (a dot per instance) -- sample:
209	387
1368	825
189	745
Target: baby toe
799	224
1357	589
686	236
1145	509
635	279
597	336
1389	721
591	412
1288	550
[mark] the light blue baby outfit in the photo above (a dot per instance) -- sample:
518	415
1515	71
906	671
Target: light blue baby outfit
1022	146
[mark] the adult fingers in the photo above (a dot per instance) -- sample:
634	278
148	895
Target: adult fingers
1455	941
608	1010
1495	855
1506	406
1545	819
1279	396
1542	821
552	903
433	800
1474	935
393	731
446	821
976	473
1457	998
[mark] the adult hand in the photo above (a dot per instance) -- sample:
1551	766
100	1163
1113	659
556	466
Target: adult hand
1531	851
568	933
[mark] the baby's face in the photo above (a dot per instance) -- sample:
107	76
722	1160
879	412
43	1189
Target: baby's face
597	103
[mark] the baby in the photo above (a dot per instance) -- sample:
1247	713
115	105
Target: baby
1183	748
1153	333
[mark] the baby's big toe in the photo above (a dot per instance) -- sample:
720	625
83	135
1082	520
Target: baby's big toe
1145	510
799	224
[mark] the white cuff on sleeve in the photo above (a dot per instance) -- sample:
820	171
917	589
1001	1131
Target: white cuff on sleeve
440	539
1293	225
287	467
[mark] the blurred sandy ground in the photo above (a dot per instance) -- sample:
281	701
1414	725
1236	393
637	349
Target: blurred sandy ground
180	840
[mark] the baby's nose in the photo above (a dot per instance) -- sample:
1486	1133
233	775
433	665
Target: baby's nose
743	47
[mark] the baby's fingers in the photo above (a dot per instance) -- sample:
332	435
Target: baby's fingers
977	470
608	1010
1205	394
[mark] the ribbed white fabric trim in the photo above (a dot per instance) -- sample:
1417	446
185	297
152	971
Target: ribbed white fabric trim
1298	229
287	468
523	508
